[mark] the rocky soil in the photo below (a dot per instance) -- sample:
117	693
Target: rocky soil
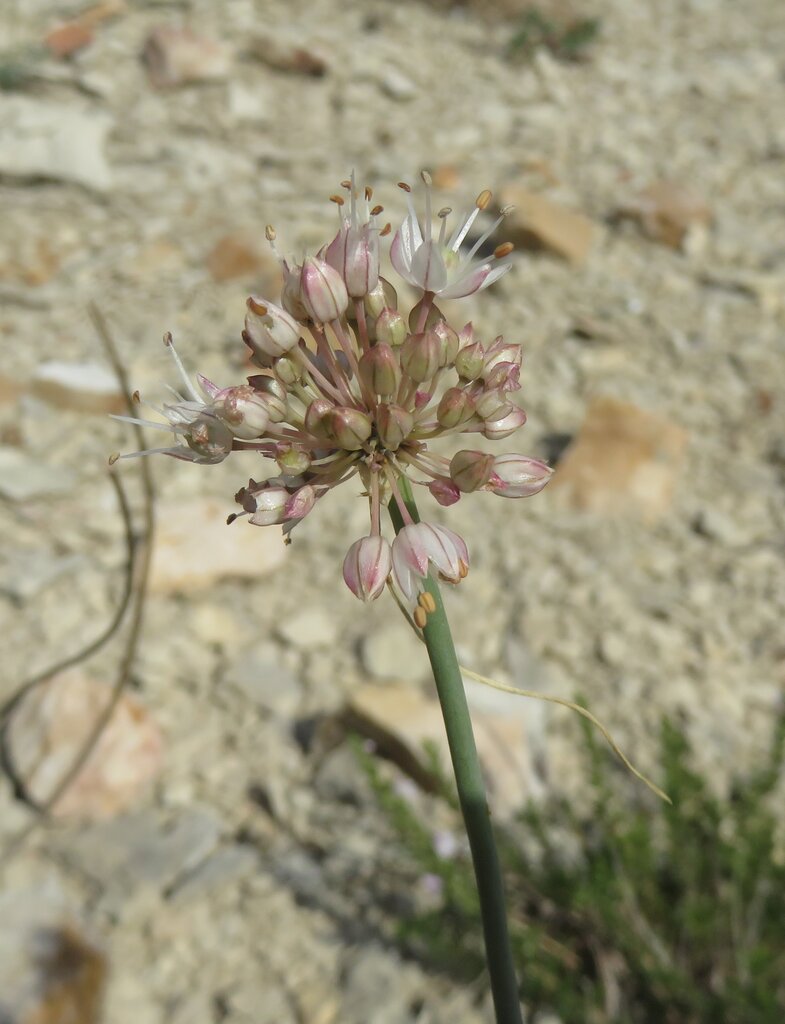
138	166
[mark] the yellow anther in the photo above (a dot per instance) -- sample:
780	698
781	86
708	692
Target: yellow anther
427	179
483	199
426	602
269	233
420	617
257	307
337	199
346	183
113	458
503	250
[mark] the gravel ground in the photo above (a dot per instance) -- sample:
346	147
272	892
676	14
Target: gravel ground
229	905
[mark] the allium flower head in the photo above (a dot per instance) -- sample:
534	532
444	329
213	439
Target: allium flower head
352	385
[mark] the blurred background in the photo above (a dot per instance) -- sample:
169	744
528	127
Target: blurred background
258	836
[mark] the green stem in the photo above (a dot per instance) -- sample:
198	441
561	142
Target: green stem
471	792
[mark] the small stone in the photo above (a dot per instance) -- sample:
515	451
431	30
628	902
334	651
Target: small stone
67	39
393	652
28	572
53	141
237	255
144	849
667	212
397	86
624	460
228	865
404	723
23	478
287	53
84	387
537	222
308	629
49	728
259	674
195	548
180	56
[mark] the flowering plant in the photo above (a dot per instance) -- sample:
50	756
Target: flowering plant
350	384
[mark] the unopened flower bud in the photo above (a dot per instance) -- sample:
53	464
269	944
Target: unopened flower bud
243	410
471	470
323	291
517	476
382	296
354	253
495	430
270	506
273	394
448	339
300	503
421	356
500	351
366	567
288	370
209	439
350	427
454	407
492	405
269	330
379	370
291	293
469	361
466	335
394	424
390	327
292	461
434	316
504	377
317	417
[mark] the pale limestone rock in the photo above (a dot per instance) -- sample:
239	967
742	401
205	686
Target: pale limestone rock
195	548
49	728
623	460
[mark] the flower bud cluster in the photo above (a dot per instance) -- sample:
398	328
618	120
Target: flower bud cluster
349	384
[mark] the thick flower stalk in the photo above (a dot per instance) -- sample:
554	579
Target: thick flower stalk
350	384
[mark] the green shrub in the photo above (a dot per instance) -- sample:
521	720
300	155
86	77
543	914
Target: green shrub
623	910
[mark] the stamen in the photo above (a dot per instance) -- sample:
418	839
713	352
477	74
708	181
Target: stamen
113	458
385	230
420	617
368	193
426	602
483	238
404	186
483	199
269	233
503	250
169	342
337	199
376	211
346	183
257	307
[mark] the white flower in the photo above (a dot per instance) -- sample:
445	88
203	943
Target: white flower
436	264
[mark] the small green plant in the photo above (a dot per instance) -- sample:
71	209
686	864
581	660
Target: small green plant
566	39
624	911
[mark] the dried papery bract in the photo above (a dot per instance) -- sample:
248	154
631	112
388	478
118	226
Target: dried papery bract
350	383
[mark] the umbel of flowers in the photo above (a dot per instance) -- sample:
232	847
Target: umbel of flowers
350	383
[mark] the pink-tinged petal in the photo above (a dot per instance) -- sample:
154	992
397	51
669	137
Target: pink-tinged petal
428	268
300	503
518	476
207	386
445	491
366	567
495	430
475	280
409	549
404	245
